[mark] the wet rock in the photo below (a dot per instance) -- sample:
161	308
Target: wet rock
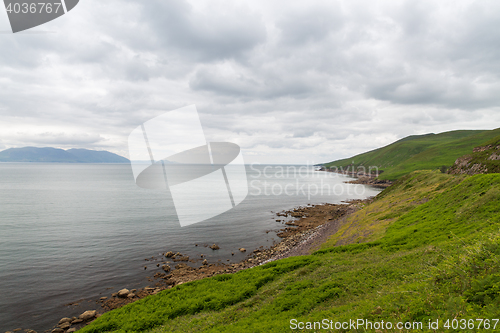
87	315
57	330
214	247
71	330
242	249
205	262
131	295
169	254
76	321
133	290
114	294
166	268
232	253
145	267
123	293
103	298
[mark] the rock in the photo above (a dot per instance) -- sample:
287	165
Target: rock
64	325
232	253
18	329
103	298
145	267
87	315
242	249
166	268
123	293
57	330
76	321
169	254
133	290
30	331
214	247
71	330
205	262
114	294
157	265
131	295
64	320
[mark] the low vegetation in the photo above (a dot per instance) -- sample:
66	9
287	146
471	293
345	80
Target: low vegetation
426	248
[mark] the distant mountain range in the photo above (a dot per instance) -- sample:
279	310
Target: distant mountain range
419	152
33	154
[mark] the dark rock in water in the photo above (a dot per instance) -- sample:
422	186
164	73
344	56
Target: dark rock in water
169	254
205	262
232	253
145	267
242	249
166	268
215	247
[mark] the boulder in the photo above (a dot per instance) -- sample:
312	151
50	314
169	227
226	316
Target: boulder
71	330
242	249
166	268
205	262
64	320
64	325
215	247
131	295
57	330
169	254
76	321
87	315
123	293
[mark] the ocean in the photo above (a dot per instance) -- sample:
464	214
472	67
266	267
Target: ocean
76	232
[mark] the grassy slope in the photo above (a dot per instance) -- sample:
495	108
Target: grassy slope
424	152
428	247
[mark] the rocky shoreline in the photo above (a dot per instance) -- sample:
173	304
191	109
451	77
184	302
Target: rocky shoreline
305	229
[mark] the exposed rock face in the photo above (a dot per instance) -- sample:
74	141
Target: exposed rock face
482	160
87	315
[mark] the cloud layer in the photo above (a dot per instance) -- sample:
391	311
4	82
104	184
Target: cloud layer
290	82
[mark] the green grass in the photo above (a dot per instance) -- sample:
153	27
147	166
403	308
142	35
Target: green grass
422	152
432	252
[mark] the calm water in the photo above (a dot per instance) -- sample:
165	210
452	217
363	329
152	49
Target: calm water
81	231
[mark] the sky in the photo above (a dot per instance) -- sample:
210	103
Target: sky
288	81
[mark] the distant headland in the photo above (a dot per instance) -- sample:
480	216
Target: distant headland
56	155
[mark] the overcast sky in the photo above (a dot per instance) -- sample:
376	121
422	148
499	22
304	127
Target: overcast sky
289	81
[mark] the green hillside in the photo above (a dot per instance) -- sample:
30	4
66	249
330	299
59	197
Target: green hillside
418	152
427	248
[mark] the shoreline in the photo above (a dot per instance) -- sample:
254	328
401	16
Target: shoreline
304	229
363	178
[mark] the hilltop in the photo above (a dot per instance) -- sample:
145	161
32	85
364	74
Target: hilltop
48	154
417	152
